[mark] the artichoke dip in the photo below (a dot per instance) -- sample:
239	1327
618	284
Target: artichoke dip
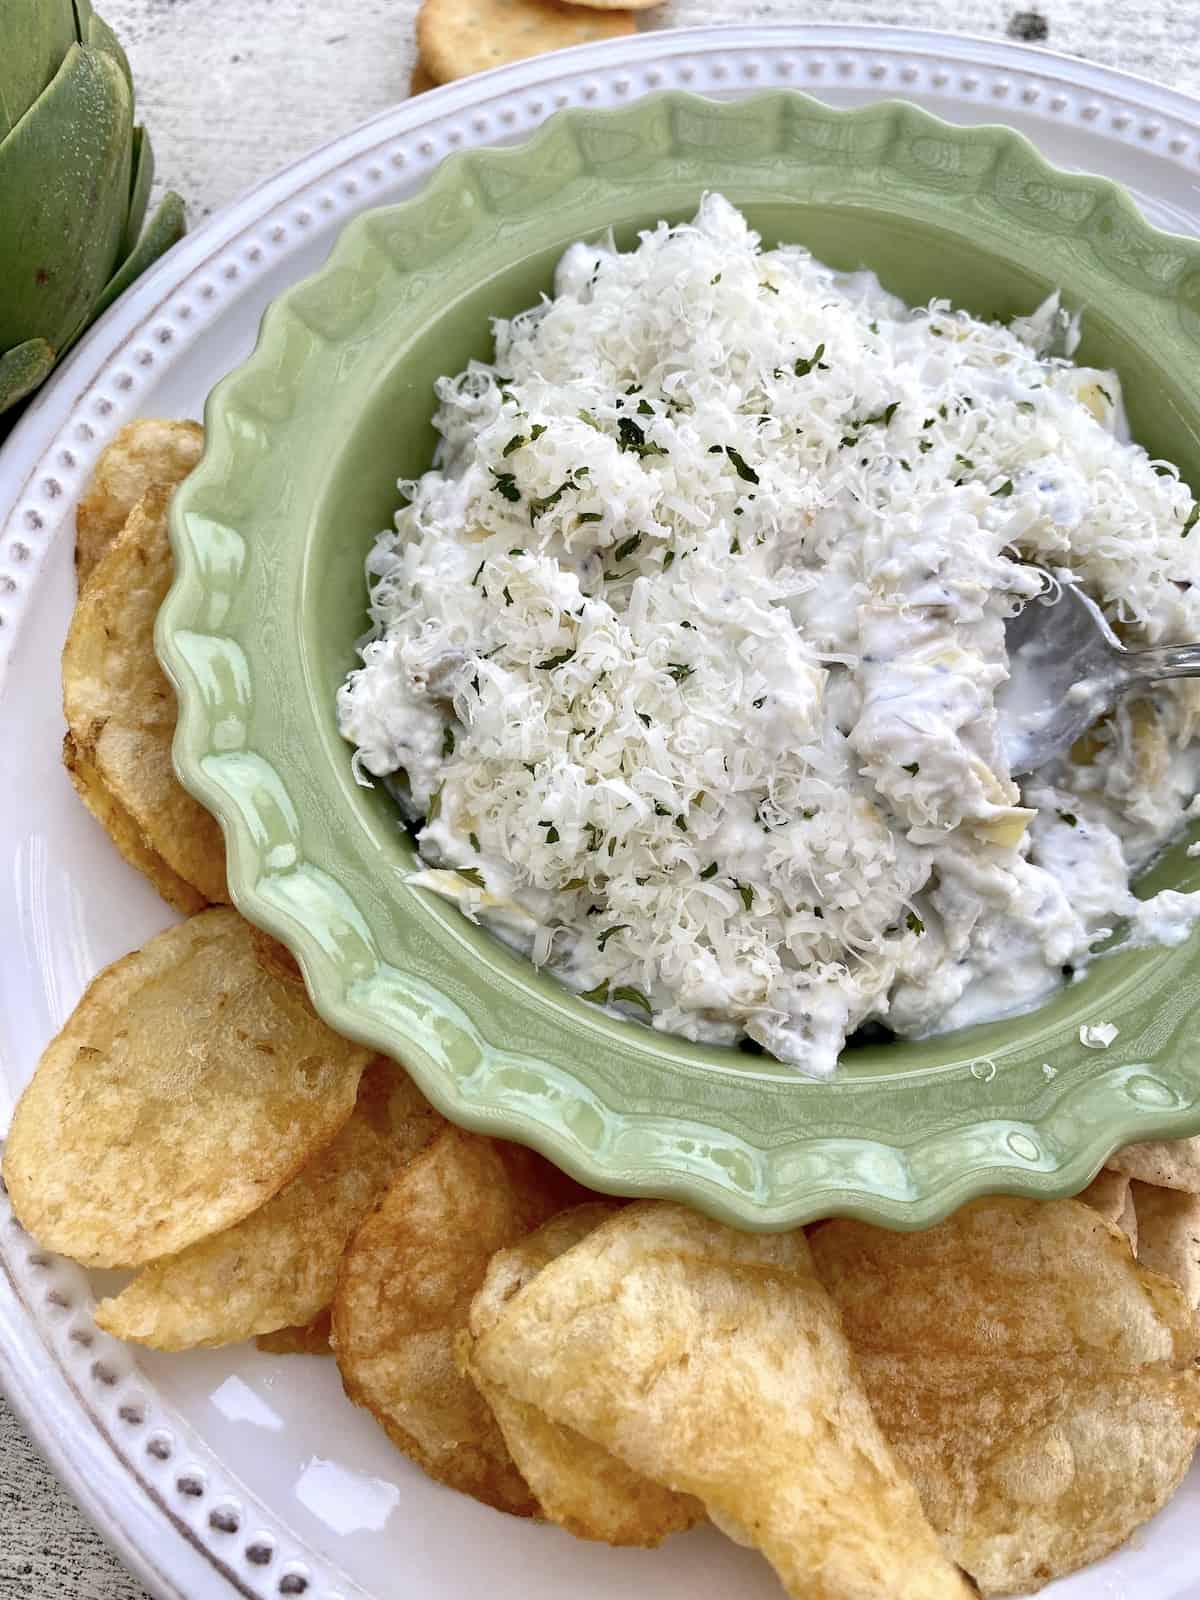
686	650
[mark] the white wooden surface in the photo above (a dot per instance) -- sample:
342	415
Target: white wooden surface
231	91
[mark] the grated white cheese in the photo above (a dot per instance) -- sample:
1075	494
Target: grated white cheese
687	647
1098	1035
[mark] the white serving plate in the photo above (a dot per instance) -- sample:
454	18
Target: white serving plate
231	1473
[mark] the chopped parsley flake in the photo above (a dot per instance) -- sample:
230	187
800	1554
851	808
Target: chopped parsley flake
633	997
540	504
746	473
806	364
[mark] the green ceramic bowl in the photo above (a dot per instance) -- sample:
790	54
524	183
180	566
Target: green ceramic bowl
305	443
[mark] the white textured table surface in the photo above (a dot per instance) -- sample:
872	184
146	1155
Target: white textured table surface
230	92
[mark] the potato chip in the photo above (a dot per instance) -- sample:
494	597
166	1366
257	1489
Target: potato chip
583	1488
459	37
126	835
1109	1194
1166	1163
421	80
712	1362
120	709
1036	1383
147	454
310	1340
278	1266
1169	1236
403	1294
188	1087
617	5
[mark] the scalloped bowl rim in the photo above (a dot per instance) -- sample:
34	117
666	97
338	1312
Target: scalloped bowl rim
969	1177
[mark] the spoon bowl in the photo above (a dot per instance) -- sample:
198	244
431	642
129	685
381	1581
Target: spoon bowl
1066	669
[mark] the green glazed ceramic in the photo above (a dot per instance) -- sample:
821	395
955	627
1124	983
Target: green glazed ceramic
305	443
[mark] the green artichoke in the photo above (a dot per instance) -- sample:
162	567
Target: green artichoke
75	179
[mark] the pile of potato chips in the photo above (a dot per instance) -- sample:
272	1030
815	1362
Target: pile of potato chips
979	1407
458	37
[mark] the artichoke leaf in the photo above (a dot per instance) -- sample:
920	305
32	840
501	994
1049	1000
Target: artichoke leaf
141	178
37	35
22	369
64	196
94	31
167	226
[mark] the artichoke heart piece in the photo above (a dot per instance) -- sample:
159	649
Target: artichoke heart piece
472	898
1006	828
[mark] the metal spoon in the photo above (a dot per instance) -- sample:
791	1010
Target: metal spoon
1066	669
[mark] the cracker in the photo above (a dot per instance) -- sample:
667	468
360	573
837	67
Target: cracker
579	1485
1169	1163
713	1363
146	454
310	1340
1038	1384
120	709
188	1086
1169	1236
459	37
404	1290
278	1267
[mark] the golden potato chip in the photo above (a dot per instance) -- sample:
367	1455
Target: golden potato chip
421	80
311	1340
126	835
1169	1236
583	1488
459	37
278	1266
1036	1383
405	1288
188	1087
712	1362
120	709
1166	1163
147	454
617	5
1109	1194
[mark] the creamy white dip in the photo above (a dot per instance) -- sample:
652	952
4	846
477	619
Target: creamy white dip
687	648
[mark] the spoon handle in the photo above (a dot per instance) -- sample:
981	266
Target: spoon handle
1165	661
